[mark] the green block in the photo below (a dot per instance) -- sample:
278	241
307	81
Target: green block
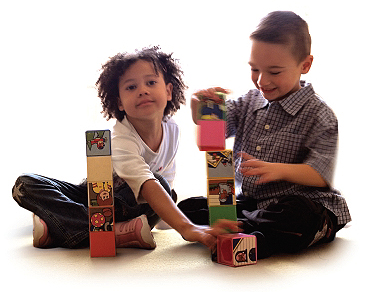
222	212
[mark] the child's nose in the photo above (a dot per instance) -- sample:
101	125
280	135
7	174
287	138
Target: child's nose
144	91
263	80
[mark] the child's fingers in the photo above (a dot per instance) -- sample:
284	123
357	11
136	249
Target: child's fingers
223	226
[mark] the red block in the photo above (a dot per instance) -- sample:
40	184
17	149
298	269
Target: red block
102	244
236	249
211	135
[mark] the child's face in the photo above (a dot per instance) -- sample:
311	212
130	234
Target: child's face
143	94
275	71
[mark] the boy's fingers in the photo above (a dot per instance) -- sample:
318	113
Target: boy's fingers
246	156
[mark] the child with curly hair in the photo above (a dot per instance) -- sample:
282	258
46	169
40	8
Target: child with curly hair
141	91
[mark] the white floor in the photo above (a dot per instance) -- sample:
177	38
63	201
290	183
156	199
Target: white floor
175	264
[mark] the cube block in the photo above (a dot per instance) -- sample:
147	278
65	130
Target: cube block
221	191
222	212
236	249
211	135
99	168
220	164
98	143
102	244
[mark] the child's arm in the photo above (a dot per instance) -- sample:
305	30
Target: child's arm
156	196
302	174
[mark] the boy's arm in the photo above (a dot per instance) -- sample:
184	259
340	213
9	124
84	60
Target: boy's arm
160	201
302	174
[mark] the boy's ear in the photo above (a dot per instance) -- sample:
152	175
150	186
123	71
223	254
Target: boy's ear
306	64
169	90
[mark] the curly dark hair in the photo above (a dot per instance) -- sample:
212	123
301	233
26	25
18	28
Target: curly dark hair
107	83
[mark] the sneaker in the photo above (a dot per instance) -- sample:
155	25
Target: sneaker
41	237
135	233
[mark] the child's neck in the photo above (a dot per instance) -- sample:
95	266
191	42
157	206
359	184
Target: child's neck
151	132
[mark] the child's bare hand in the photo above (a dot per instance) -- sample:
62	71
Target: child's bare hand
266	171
207	235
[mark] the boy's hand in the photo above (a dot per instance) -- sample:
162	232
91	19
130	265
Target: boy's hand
207	235
266	171
210	92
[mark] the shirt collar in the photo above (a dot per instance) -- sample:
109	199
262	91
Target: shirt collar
293	103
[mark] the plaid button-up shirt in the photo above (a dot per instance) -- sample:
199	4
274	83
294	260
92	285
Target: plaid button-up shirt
298	129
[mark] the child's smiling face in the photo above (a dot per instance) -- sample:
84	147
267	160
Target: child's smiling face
143	93
275	71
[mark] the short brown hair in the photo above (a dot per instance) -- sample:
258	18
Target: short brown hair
285	27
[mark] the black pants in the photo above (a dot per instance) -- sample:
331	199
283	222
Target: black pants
287	226
64	206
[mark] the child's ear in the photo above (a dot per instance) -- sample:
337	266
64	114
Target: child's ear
120	106
306	64
169	90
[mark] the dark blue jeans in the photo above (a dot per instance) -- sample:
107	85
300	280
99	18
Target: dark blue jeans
64	206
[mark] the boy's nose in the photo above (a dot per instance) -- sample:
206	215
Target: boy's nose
263	80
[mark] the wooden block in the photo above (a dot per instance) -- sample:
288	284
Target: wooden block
98	143
219	164
222	212
211	135
236	249
101	219
99	168
212	108
221	191
102	244
100	193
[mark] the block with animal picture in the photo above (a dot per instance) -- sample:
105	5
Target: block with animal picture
221	192
219	164
98	143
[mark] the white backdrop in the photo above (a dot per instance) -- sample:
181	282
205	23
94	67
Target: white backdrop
51	52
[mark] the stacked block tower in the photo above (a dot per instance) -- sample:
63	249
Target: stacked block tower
100	194
211	121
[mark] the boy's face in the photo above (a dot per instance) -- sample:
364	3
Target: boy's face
275	71
143	94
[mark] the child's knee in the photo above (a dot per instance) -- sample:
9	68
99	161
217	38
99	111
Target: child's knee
19	188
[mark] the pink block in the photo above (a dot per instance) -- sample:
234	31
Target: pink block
236	249
211	135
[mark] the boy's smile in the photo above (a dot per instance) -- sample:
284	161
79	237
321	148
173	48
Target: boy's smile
275	71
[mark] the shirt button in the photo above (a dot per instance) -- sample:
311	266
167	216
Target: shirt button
246	194
258	148
266	127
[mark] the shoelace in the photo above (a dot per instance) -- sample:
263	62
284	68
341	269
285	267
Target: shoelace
128	227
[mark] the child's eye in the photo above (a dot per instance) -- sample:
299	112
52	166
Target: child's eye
131	87
151	82
275	73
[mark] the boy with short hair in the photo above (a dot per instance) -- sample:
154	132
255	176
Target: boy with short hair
285	141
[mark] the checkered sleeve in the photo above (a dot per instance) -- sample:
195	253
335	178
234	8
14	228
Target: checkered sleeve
322	144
